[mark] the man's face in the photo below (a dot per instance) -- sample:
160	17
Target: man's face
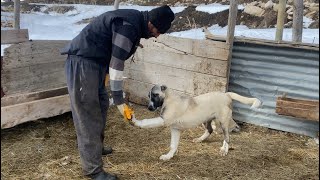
153	31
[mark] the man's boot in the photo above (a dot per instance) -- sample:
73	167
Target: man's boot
104	176
106	150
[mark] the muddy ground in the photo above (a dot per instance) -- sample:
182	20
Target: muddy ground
46	149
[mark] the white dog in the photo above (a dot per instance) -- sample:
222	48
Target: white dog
179	113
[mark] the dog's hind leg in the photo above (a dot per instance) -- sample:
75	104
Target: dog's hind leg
175	138
225	128
207	132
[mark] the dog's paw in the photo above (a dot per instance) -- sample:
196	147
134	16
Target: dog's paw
223	151
197	140
165	157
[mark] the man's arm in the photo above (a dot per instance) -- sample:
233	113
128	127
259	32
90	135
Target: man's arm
124	36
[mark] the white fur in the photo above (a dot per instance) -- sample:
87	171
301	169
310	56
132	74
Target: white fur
149	123
203	137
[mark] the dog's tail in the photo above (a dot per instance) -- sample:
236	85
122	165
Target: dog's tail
254	102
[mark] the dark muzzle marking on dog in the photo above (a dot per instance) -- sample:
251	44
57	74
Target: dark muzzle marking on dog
155	100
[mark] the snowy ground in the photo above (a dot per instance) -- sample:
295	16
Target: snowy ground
54	26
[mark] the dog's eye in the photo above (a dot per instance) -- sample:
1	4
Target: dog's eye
155	94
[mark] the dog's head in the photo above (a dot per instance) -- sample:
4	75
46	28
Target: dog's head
156	97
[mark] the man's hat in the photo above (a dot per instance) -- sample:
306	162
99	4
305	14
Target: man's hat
161	17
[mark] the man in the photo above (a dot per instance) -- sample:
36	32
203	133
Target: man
106	42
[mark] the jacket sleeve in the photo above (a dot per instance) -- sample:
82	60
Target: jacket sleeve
123	42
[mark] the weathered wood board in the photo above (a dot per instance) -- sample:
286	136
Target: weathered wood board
33	66
13	115
14	36
305	109
34	83
187	66
33	96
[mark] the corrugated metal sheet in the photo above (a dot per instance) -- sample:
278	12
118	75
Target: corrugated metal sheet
267	72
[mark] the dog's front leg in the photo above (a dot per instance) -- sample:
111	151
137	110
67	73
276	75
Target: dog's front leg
175	138
148	123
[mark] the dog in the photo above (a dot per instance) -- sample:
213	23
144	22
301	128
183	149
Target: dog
182	112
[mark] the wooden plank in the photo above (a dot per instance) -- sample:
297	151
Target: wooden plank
178	79
218	50
2	93
33	66
16	10
299	113
182	61
27	72
309	46
297	25
233	11
33	110
306	109
232	18
116	4
280	19
27	97
14	36
298	102
36	52
45	82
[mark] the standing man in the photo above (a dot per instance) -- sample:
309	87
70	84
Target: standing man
105	43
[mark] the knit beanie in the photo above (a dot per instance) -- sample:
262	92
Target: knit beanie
161	17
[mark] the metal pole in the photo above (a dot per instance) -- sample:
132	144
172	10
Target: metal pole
16	14
297	21
280	19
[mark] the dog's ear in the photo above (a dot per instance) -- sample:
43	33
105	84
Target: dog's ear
163	88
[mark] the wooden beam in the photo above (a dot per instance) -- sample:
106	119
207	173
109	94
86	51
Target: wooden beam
27	97
280	19
14	36
232	19
33	110
116	4
233	11
309	46
297	21
300	108
16	24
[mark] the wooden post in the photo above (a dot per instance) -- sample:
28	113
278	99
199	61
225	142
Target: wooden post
232	19
280	19
233	10
16	14
297	21
116	4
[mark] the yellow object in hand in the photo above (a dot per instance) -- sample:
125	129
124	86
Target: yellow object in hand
128	113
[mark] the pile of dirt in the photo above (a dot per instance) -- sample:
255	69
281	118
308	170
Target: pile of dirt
47	149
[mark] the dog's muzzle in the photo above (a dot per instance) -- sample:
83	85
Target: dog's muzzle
151	107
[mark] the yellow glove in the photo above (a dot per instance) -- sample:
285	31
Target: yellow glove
126	112
106	80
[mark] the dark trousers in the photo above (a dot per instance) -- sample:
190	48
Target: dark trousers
89	104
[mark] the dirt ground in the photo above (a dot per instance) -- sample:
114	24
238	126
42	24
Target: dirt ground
46	149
